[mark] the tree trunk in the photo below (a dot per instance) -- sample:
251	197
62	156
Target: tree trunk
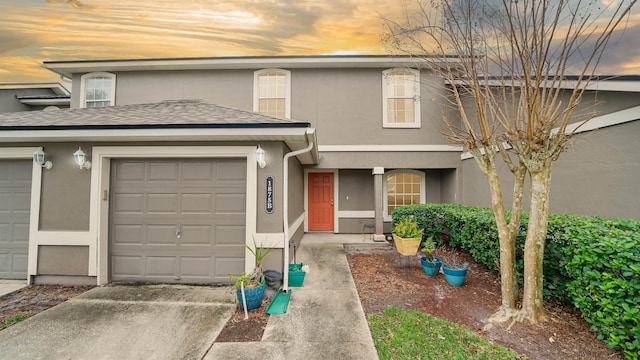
532	302
508	276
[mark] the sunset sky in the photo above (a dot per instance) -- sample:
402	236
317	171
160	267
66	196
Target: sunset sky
32	31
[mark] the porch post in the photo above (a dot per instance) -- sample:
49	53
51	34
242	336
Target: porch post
378	172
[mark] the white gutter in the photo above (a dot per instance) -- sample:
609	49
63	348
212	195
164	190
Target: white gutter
285	212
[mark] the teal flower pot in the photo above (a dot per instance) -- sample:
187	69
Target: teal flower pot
454	273
431	268
253	295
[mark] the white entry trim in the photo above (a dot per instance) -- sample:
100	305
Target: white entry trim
100	182
356	214
34	206
276	240
336	200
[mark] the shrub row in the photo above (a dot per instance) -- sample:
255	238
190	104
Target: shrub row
590	262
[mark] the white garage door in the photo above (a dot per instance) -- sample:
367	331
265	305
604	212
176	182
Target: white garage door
15	201
177	221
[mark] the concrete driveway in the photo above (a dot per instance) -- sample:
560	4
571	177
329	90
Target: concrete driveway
124	322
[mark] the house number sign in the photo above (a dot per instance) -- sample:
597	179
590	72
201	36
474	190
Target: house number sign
269	195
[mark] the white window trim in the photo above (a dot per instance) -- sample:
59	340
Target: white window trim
83	80
287	99
385	201
416	102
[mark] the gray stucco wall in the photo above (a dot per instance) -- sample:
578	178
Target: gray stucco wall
296	189
64	202
356	190
63	260
598	175
10	103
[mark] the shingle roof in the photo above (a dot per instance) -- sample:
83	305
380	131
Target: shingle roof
165	114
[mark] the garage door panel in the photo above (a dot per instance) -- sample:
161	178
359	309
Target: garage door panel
126	266
128	203
227	234
196	235
161	234
230	204
129	172
162	204
229	265
15	201
128	234
161	266
196	267
197	171
162	171
21	233
20	262
185	195
231	171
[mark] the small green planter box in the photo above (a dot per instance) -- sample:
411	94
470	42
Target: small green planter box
296	275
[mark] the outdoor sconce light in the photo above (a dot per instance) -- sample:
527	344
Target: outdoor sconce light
80	158
41	159
260	157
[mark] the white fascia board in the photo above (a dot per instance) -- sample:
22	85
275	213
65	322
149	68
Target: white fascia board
594	85
390	148
598	122
58	88
46	102
151	134
67	68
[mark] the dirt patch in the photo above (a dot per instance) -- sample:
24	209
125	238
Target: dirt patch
384	278
36	298
239	329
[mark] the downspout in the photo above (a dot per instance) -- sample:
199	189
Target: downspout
285	212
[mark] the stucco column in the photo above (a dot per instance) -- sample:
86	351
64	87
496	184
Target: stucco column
378	172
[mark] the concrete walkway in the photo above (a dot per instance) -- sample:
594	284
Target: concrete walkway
9	286
325	319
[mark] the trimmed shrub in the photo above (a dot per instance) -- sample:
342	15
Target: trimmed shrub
590	262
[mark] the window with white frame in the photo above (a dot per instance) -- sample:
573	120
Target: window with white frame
401	98
403	187
97	90
272	92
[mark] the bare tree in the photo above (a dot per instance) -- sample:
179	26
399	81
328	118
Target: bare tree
507	64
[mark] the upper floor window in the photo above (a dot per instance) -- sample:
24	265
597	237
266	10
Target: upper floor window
403	187
97	90
272	92
401	98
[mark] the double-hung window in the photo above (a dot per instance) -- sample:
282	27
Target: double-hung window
401	98
403	187
97	90
272	92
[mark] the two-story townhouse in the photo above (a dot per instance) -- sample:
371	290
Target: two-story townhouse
190	158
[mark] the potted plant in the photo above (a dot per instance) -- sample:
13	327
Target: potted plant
407	236
252	284
430	264
454	272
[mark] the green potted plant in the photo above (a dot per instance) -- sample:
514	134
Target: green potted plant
252	284
430	264
407	236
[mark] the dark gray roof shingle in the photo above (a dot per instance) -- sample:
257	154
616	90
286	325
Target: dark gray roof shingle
165	114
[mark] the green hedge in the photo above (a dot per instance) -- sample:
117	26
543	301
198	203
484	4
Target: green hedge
590	262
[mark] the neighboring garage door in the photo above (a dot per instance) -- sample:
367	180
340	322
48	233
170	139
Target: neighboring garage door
15	201
177	221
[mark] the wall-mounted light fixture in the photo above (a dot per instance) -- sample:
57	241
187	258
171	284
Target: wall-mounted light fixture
41	159
81	159
260	157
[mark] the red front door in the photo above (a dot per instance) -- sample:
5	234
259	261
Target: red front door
320	201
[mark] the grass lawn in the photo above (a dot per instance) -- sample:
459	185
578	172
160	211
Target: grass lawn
410	334
12	320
